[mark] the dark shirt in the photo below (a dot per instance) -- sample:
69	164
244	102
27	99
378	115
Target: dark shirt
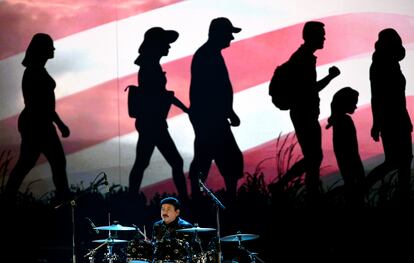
155	99
39	100
162	231
307	95
345	144
211	92
151	78
388	96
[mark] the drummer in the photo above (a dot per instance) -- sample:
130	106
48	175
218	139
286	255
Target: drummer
170	222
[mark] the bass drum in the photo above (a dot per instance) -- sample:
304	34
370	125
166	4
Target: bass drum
171	250
139	251
209	256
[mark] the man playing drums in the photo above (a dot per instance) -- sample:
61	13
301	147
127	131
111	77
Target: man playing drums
169	243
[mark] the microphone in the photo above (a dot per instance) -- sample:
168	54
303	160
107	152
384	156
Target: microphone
104	179
92	225
200	182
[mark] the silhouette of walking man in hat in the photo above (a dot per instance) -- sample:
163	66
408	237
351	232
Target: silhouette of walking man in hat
211	110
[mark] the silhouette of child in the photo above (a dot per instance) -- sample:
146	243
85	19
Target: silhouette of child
345	144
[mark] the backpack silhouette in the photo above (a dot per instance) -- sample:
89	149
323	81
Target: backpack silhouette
140	103
134	94
280	86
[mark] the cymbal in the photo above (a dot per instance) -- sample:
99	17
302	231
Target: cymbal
109	240
239	237
196	229
116	227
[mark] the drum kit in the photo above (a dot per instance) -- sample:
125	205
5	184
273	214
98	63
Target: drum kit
142	250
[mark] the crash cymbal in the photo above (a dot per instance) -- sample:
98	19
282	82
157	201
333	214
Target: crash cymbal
196	229
109	240
239	237
116	227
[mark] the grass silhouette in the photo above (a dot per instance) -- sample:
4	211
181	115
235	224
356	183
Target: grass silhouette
276	211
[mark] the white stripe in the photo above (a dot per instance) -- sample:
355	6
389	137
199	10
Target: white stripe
90	57
261	122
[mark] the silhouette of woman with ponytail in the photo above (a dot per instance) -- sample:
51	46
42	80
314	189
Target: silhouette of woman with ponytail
391	120
37	121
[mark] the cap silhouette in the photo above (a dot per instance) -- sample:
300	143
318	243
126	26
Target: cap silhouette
222	25
157	36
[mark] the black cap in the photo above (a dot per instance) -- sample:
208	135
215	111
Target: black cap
172	201
156	36
222	25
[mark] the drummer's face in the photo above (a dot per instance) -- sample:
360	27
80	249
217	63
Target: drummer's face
169	213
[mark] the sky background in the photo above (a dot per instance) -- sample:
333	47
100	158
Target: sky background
97	41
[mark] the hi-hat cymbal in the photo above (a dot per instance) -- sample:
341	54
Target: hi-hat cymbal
239	237
109	240
196	229
116	227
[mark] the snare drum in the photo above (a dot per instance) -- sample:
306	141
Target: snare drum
171	250
139	250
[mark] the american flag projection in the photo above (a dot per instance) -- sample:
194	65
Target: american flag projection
97	41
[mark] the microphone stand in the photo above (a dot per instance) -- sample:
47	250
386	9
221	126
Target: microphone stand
218	206
72	204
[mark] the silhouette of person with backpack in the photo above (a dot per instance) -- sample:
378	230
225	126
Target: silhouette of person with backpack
37	121
152	110
391	120
304	106
345	143
211	111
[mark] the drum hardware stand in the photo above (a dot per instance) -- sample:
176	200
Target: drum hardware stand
252	255
198	241
110	256
92	252
218	206
144	234
72	203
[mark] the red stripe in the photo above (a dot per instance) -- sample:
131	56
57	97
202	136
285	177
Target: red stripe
20	21
367	148
250	62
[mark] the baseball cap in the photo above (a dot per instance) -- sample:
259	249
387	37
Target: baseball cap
222	25
172	201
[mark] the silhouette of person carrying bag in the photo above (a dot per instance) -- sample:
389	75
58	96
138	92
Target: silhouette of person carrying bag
150	107
37	121
304	108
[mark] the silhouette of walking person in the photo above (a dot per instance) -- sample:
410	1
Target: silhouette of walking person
304	110
391	120
36	121
211	111
154	104
345	143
